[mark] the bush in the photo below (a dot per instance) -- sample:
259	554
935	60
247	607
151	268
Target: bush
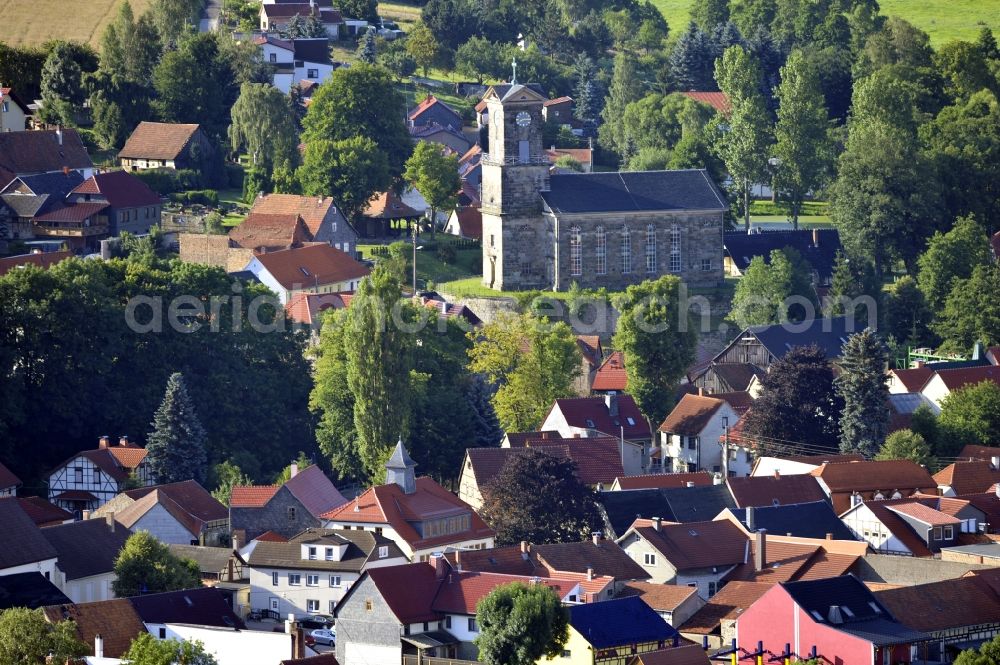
234	176
446	252
168	181
205	197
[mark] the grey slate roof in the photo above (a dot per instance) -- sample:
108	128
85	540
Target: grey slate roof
206	606
23	542
678	504
743	247
29	590
828	334
312	50
49	189
211	560
805	520
267	554
633	191
86	548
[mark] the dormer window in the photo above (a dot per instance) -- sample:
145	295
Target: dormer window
329	554
312	553
383	552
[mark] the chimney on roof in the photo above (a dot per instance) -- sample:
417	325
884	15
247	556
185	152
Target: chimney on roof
98	646
600	487
835	615
829	536
440	565
102	442
123	440
760	553
294	470
596	537
525	549
590	573
110	519
656	523
701	391
815	237
751	518
611	401
777	474
977	351
458	560
236	541
86	514
717	479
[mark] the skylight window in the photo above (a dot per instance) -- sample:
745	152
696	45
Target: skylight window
590	423
630	420
816	615
305	271
872	604
847	612
692	532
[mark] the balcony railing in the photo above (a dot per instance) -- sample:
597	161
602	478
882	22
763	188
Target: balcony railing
72	229
509	160
431	660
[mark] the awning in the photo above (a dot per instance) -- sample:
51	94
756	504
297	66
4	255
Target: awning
435	638
75	495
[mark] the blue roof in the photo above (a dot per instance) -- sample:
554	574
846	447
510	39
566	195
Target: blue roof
633	191
814	519
829	335
614	623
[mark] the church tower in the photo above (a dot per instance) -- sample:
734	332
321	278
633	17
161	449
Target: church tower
401	469
514	170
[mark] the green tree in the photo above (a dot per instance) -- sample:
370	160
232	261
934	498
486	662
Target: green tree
117	106
690	64
174	19
226	476
350	170
709	13
360	101
195	84
364	9
424	47
906	444
988	654
478	58
802	144
367	49
398	61
852	286
379	372
951	257
435	175
861	384
130	48
745	145
969	415
797	402
531	363
970	313
176	446
263	125
625	87
520	624
965	68
906	316
62	86
145	565
763	293
147	650
26	638
658	339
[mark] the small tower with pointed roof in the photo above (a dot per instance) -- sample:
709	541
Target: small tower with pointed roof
401	469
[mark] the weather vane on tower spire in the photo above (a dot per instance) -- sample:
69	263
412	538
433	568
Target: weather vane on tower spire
513	64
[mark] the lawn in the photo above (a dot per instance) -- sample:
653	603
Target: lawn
677	12
35	21
430	267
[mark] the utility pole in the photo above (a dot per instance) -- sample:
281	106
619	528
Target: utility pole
725	454
416	226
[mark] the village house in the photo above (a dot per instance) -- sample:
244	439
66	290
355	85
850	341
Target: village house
28	590
42	151
726	377
610	377
319	213
714	625
131	205
286	509
13	112
91	478
421	610
432	111
43	513
837	619
693	438
25	550
311	572
775	490
661	481
222	566
86	553
676	604
971	477
9	482
106	627
419	515
29	196
790	465
678	505
607	631
946	381
819	247
780	558
848	483
814	519
558	110
759	346
909	527
698	554
582	156
274	17
155	145
296	60
465	222
990	454
184	513
315	268
385	208
261	232
610	415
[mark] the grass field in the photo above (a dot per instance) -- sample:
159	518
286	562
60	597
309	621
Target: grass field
943	20
35	21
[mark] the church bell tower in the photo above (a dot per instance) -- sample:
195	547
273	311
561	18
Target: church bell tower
514	170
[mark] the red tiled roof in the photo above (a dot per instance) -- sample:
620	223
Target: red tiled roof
606	557
388	205
557	100
459	592
691	415
312	265
270	231
312	209
470	221
925	514
315	491
663	480
116	464
388	504
42	512
114	620
75	495
119	188
717	100
958	603
45	260
271	537
611	374
158	140
306	308
592	413
728	604
590	347
128	457
787	562
660	597
740	402
955	379
972	451
913	379
252	496
874	475
772	491
968	477
583	155
698	544
74	212
8	478
820	459
408	590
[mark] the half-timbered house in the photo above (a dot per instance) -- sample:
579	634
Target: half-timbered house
90	478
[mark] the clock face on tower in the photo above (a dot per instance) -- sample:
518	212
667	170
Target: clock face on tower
523	119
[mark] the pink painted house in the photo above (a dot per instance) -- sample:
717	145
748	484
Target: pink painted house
837	620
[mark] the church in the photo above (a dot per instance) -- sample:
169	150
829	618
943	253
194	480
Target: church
547	231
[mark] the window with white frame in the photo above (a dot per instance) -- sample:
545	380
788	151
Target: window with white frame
937	533
329	554
294	579
575	252
650	248
312	553
602	251
473	626
335	580
675	249
626	251
383	551
312	605
312	580
274	579
649	559
949	532
706	265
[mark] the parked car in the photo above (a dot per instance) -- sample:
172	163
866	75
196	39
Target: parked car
324	636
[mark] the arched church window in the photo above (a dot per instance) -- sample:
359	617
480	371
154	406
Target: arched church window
650	248
575	252
602	251
626	251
